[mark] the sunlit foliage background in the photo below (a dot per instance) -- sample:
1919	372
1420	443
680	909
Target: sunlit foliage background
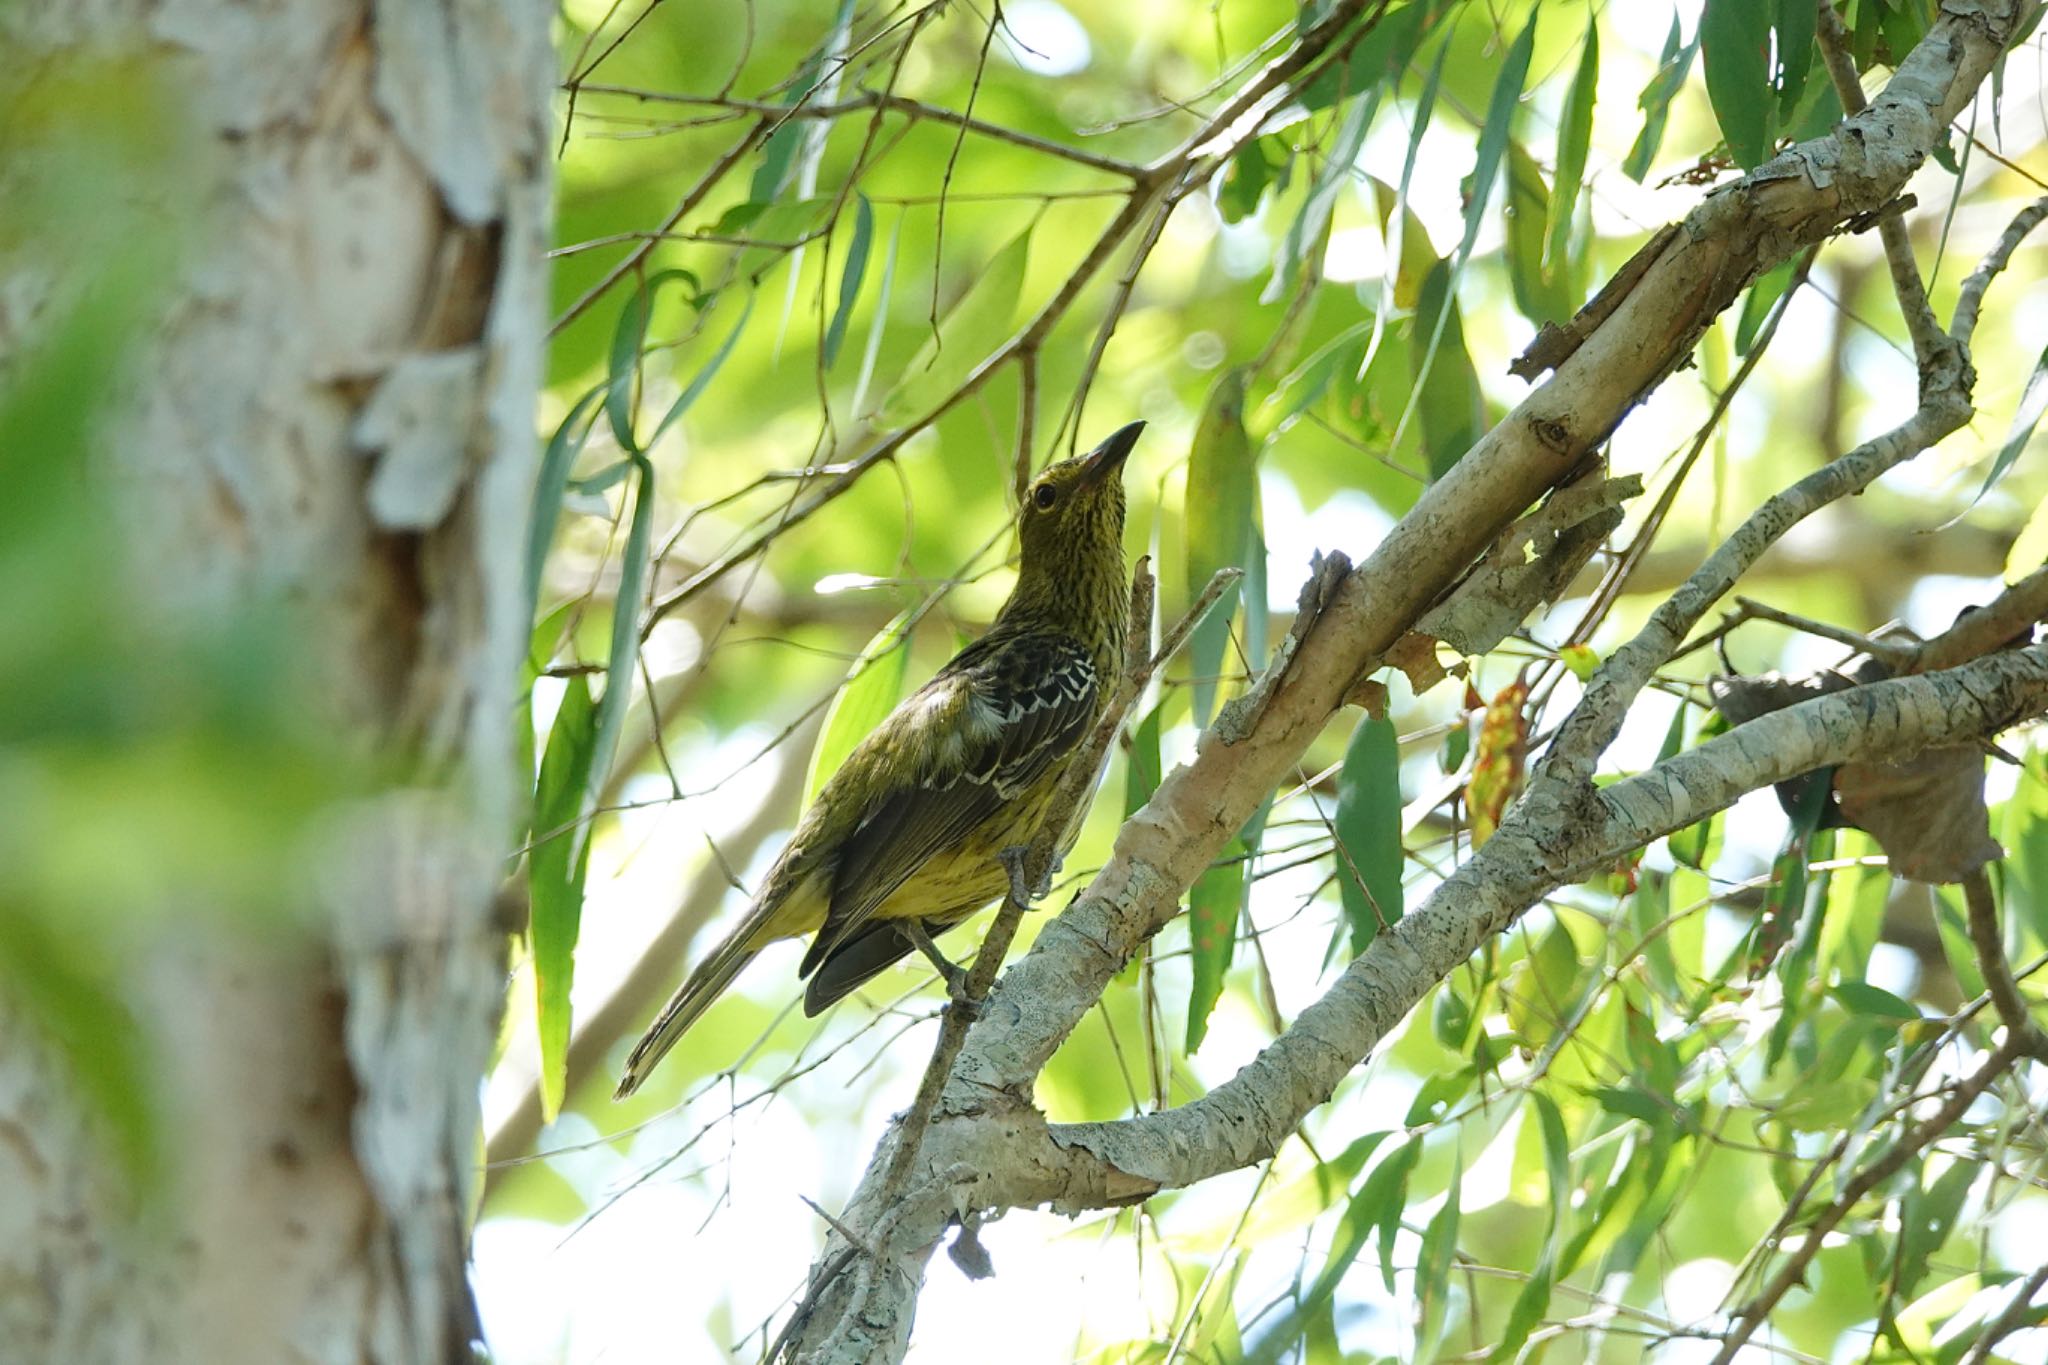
780	447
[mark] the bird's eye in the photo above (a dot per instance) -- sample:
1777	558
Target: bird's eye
1045	495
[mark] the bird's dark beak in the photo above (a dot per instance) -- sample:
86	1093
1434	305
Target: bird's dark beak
1107	458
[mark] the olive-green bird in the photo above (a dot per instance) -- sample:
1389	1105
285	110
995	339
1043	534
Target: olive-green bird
902	842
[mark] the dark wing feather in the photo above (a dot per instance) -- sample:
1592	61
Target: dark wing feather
1029	700
858	957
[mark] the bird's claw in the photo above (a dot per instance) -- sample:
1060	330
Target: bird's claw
951	972
1012	858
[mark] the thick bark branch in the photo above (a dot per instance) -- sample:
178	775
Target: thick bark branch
985	1125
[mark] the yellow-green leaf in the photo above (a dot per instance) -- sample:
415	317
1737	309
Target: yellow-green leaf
975	327
555	867
873	686
1221	509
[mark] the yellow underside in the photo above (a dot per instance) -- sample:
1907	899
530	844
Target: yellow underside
949	887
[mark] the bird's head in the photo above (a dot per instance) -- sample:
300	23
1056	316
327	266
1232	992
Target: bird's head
1077	505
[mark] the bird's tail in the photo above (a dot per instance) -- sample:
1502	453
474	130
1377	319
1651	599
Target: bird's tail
692	998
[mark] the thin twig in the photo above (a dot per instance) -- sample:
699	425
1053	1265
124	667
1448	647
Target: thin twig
1911	291
1892	652
2014	1317
894	104
1873	1174
2022	1034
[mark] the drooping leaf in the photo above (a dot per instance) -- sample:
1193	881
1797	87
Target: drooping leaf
2033	402
1764	292
977	324
1142	766
1433	1269
1497	760
1306	233
629	340
1221	513
1574	136
553	480
1796	22
702	379
1542	292
873	686
555	867
1368	828
625	641
1259	165
1494	132
1448	399
1655	102
1735	45
1213	904
1927	1216
849	278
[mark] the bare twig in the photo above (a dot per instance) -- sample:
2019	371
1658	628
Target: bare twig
1915	1140
1893	652
1921	326
2004	618
895	104
2014	1316
2022	1034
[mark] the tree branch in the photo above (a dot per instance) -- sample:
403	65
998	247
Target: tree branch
988	1149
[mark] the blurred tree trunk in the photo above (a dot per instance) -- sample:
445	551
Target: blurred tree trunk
333	409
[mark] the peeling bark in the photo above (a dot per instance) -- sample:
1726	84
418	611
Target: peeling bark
334	409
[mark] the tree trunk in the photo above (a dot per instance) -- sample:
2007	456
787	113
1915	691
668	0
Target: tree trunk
332	409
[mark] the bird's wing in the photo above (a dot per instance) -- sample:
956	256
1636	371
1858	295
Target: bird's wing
988	725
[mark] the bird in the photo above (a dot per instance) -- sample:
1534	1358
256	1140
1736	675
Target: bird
904	840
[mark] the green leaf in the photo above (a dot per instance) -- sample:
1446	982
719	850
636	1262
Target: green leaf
1655	102
1542	292
698	382
2033	402
1433	1269
1768	288
1438	1094
978	324
1368	830
1213	904
1735	44
1862	998
1305	234
1927	1217
555	867
1142	767
1795	21
63	985
629	340
1257	165
850	278
1629	1102
553	480
1574	136
873	686
1541	989
1448	397
1493	133
1221	512
1387	1188
1366	1211
625	642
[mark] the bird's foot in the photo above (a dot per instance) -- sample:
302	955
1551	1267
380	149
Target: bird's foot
951	972
1012	858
